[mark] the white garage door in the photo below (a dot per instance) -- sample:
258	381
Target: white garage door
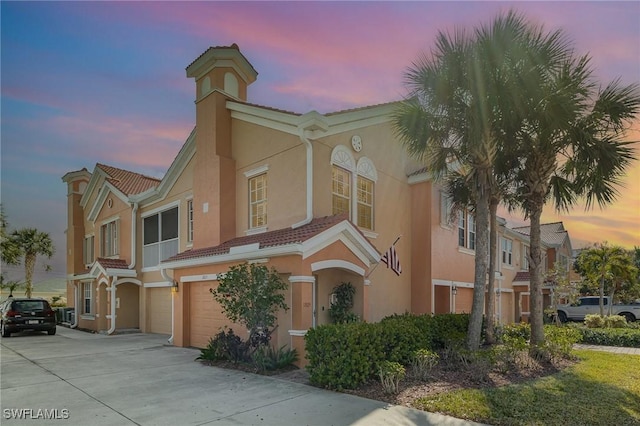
206	314
159	306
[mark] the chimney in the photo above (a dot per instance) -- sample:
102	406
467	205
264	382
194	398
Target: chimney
221	74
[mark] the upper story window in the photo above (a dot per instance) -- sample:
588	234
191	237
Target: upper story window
365	203
353	187
525	257
445	209
160	239
466	230
507	251
109	239
190	221
88	255
258	201
340	190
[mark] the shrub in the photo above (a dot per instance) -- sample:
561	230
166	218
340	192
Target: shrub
267	358
615	321
422	363
225	346
594	321
558	342
514	331
624	337
343	356
391	373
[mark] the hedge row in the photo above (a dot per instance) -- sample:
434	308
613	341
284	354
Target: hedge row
625	337
344	356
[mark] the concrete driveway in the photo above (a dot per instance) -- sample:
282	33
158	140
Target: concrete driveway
77	378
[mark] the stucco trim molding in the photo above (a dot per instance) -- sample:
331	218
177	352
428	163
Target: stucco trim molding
337	264
298	333
302	279
199	278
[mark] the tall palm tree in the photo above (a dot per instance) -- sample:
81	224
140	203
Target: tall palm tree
9	252
569	145
32	243
446	124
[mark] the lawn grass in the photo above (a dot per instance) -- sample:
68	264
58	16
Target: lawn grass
601	389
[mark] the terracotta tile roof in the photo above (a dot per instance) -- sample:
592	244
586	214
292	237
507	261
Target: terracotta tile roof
522	276
278	237
233	46
129	183
112	263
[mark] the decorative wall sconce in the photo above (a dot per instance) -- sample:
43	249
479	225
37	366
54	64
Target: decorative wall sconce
454	290
174	287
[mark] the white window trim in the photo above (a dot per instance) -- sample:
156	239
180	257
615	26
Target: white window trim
157	211
161	209
190	217
257	171
261	228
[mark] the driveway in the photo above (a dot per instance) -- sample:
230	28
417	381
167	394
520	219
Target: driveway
77	378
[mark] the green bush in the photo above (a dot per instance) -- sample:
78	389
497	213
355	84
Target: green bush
513	332
225	346
559	341
594	321
623	337
391	374
340	311
344	356
422	362
267	358
615	321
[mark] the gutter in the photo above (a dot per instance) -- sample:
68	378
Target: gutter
75	306
133	235
163	272
307	144
113	305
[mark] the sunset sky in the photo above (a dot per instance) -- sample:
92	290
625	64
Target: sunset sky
87	82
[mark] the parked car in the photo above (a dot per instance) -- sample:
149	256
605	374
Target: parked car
591	305
26	314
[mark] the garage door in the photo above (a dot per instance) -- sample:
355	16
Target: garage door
206	317
159	308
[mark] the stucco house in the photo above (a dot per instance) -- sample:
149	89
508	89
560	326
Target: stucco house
319	197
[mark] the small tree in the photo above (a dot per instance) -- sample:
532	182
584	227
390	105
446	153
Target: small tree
251	295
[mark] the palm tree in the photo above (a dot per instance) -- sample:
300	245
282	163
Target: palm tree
9	252
569	144
444	123
604	264
32	243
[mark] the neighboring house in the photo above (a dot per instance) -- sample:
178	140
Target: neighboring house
319	197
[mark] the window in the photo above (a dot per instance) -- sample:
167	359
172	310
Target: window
87	250
507	251
466	230
190	221
109	237
365	203
341	190
88	298
525	257
258	201
160	237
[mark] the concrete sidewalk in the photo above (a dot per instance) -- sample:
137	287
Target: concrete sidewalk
613	349
136	379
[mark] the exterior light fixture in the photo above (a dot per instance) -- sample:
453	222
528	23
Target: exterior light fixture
454	290
174	287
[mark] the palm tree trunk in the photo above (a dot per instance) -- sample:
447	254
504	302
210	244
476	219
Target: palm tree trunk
491	294
474	334
602	294
29	264
536	273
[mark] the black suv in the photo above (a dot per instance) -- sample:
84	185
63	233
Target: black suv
27	314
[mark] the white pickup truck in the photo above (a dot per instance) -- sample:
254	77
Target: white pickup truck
591	305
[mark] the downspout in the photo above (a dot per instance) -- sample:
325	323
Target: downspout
307	143
75	305
163	272
113	305
133	235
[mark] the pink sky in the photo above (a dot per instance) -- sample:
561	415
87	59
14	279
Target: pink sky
86	82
